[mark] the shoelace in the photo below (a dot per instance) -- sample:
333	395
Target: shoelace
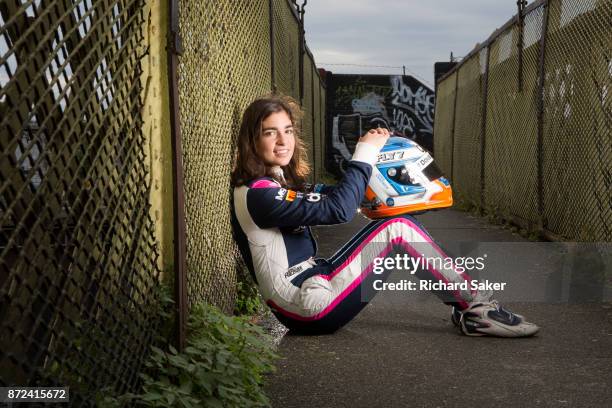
496	305
500	309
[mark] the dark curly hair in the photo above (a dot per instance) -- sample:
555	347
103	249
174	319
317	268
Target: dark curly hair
248	165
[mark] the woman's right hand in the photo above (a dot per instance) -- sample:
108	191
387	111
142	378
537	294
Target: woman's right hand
376	137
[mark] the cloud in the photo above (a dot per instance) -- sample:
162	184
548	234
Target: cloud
396	32
347	56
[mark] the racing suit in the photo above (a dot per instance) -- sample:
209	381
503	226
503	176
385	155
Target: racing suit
272	228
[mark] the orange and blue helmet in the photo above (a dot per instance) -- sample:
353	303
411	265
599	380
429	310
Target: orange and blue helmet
405	180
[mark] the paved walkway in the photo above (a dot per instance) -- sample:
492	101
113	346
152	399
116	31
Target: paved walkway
403	351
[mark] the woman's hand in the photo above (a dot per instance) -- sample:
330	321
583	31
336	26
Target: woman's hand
376	137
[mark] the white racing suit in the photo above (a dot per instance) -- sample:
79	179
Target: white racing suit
271	226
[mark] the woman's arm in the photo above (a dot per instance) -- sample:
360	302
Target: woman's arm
321	188
279	207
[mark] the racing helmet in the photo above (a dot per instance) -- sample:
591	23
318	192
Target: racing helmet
405	180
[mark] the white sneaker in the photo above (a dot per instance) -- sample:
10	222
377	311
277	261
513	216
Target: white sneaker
491	319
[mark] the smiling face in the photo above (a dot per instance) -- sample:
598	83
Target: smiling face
276	142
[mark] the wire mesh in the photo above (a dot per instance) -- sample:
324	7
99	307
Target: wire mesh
286	48
307	106
467	158
77	253
510	156
78	259
226	63
316	119
570	170
322	145
577	143
224	66
443	125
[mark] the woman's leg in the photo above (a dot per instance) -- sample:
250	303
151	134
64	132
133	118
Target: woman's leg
342	286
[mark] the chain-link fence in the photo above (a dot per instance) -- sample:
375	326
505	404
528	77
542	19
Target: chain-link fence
233	52
523	124
314	115
78	267
84	188
444	122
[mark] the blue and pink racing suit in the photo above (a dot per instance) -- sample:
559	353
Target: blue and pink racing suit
272	228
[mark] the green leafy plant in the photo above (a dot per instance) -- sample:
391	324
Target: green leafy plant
248	300
223	365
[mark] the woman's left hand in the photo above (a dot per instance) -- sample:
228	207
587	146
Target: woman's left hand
376	137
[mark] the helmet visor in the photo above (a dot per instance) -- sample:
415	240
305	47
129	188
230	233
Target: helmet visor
432	172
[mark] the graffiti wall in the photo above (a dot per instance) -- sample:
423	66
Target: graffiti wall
357	103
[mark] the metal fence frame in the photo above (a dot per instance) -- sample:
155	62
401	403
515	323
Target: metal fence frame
541	223
82	259
79	268
313	139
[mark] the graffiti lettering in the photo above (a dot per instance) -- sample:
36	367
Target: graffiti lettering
370	103
403	123
420	103
359	103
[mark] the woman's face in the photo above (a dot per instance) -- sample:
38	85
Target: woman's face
276	142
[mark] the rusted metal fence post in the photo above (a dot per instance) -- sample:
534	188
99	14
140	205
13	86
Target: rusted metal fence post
314	139
520	17
302	48
452	152
174	49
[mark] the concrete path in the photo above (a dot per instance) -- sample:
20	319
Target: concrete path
403	351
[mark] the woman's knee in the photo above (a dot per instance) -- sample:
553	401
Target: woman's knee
412	222
315	294
404	222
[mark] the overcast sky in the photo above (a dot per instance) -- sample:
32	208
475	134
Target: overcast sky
398	32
